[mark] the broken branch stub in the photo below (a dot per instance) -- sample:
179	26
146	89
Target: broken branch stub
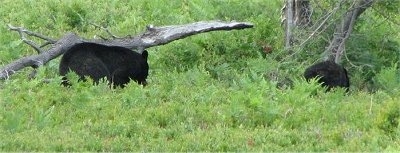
153	36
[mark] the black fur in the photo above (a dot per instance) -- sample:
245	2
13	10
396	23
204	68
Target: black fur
331	74
117	64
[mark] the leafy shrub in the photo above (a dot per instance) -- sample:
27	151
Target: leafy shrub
388	119
215	91
388	79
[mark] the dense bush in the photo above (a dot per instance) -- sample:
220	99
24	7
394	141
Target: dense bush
216	91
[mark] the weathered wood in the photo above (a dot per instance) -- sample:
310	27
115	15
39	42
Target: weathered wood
295	14
153	36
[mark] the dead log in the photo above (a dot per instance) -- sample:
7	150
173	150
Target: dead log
153	36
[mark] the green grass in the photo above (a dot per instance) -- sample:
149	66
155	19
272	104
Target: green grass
210	92
193	113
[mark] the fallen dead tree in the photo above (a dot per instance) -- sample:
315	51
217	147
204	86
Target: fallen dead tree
153	36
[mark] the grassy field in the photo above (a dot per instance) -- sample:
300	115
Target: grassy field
215	91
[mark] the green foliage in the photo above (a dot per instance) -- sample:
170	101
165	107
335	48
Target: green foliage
389	6
388	119
75	16
373	50
216	91
168	115
388	79
373	44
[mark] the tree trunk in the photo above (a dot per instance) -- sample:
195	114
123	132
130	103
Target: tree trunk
295	14
343	29
302	14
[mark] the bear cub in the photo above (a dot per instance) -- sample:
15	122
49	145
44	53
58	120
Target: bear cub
331	75
118	65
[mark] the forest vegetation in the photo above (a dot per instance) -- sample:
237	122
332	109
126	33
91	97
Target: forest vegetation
239	90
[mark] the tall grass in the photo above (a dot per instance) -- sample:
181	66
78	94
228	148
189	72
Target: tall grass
215	91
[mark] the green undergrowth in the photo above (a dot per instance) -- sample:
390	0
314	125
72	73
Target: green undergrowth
191	111
216	91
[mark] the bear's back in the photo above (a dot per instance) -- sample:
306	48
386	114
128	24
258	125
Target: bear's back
99	61
330	73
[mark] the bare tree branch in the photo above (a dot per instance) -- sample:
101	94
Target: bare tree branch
343	30
154	36
295	14
106	30
37	60
12	28
45	44
21	31
317	30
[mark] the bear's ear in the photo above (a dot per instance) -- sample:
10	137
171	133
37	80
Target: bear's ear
145	54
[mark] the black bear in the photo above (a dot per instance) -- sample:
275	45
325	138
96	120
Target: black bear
331	74
117	64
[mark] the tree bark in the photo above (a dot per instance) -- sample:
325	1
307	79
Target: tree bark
343	30
289	24
153	36
295	14
302	14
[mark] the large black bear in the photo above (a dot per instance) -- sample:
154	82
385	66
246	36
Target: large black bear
331	74
118	64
